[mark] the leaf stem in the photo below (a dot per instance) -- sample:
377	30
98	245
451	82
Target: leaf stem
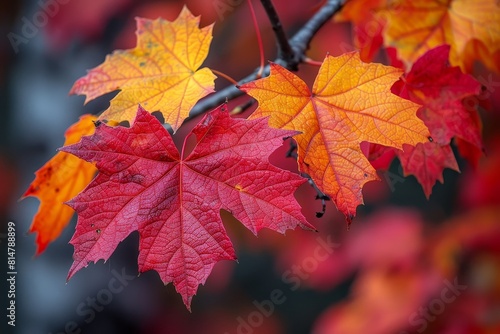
309	61
225	76
259	39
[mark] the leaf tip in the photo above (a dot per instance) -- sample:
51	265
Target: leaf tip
349	218
187	302
41	246
70	275
31	191
76	88
290	133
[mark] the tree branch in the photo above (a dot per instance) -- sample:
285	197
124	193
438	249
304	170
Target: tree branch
285	51
299	44
300	41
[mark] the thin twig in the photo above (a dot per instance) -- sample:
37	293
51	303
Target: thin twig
299	43
285	51
292	153
242	107
319	195
259	39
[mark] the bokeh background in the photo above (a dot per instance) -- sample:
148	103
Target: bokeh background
407	264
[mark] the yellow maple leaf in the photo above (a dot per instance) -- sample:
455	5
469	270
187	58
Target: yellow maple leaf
161	73
58	181
350	102
414	27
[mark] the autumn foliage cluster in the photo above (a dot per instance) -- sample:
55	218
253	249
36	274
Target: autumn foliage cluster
121	172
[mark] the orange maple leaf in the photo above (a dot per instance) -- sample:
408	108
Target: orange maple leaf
58	181
414	27
350	102
161	73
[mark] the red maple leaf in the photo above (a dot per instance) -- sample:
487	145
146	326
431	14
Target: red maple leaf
174	201
427	162
440	89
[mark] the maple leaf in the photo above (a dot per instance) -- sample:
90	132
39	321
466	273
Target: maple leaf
414	27
161	73
59	180
472	28
426	162
144	184
477	50
440	89
367	26
350	102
